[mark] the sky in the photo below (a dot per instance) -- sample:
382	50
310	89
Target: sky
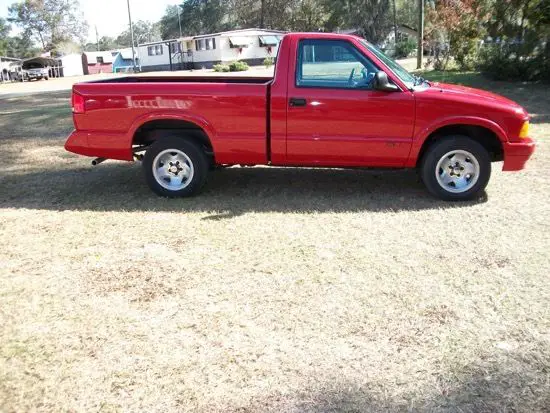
111	16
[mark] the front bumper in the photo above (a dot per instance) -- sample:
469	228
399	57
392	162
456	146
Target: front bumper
516	154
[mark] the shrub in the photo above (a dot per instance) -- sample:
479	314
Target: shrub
221	68
514	62
238	66
466	53
404	48
268	62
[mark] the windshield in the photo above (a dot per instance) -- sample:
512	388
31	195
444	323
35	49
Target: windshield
400	72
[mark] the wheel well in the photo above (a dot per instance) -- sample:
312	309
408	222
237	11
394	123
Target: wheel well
484	136
153	130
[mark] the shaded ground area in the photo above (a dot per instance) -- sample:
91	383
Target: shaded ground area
281	290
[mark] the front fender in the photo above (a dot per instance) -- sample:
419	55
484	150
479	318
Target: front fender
424	133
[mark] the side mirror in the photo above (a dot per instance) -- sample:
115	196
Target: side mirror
381	82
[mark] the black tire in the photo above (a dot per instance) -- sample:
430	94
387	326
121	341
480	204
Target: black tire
444	146
194	153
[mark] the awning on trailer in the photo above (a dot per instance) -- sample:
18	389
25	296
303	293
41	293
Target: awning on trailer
269	41
239	41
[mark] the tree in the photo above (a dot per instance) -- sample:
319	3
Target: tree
407	13
371	18
308	16
269	14
16	46
21	47
197	17
144	32
170	23
108	43
50	22
5	29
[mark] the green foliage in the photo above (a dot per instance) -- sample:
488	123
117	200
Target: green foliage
144	31
196	16
221	68
50	22
15	46
465	52
238	66
522	51
515	62
269	61
404	48
370	17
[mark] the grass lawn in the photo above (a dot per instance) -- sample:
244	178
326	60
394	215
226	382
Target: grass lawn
281	290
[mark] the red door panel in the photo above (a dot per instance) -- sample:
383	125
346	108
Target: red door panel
335	118
349	127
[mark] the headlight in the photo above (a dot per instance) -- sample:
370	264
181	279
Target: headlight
524	131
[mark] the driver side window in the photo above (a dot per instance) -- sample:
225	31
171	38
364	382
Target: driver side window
333	64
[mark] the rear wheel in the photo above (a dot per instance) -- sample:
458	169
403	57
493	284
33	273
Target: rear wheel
175	167
456	168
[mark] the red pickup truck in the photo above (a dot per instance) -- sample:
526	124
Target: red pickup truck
334	101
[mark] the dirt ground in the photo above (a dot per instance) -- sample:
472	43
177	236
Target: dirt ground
276	290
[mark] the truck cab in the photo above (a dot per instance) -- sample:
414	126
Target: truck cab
334	101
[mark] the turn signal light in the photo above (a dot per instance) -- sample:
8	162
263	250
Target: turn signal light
78	103
524	131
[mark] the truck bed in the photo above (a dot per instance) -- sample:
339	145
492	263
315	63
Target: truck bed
233	112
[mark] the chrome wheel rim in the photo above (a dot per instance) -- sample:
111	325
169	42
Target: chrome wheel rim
173	169
457	171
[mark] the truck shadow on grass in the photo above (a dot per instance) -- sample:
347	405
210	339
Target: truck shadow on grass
228	193
499	382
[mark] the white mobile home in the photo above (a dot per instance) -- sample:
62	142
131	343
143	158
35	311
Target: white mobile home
161	55
249	45
204	51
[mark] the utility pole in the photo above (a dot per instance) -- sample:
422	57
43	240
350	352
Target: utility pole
420	53
395	23
97	38
132	36
179	18
262	14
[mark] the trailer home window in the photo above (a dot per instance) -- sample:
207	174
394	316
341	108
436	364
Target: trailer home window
175	47
210	44
155	50
200	44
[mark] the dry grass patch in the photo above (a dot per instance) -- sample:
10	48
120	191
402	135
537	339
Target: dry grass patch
279	290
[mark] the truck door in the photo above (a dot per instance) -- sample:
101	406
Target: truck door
335	118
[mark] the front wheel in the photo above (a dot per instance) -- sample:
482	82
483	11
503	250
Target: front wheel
175	167
456	168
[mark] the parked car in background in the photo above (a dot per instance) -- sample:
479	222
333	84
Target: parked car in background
36	71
